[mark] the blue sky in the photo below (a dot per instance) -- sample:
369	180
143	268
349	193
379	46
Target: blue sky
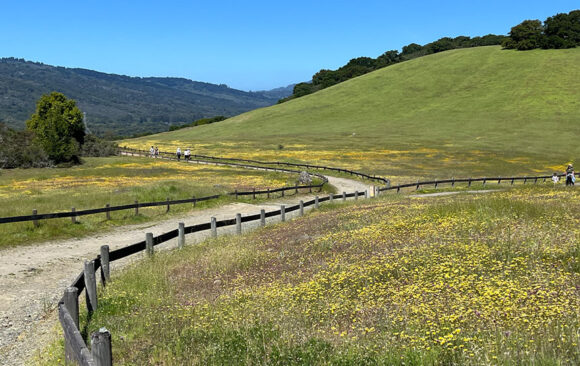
248	45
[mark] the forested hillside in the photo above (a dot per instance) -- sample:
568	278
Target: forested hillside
120	104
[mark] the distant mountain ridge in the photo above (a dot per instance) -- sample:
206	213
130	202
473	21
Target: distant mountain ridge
122	104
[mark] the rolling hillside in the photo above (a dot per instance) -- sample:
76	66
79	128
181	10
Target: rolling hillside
460	112
121	104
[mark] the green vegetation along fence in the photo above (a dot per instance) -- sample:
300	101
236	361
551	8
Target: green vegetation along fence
206	158
35	217
100	354
76	350
470	181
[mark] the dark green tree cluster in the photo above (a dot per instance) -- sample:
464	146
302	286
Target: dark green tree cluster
199	122
55	134
362	65
18	149
58	127
559	31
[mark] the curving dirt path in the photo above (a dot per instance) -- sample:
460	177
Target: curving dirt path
33	278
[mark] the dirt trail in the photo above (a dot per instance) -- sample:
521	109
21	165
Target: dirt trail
33	278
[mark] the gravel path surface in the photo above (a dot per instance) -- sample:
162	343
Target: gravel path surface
33	278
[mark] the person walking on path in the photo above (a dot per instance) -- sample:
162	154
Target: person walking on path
178	154
156	151
570	178
187	154
152	152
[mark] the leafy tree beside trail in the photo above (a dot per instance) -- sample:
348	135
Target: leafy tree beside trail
58	127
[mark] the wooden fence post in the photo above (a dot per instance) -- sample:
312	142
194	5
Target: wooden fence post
213	226
73	217
236	193
136	208
262	217
253	193
105	268
71	303
296	188
283	192
366	193
90	286
194	200
331	197
301	208
101	347
180	235
108	213
316	203
344	196
238	223
355	195
35	222
268	192
282	213
168	207
149	244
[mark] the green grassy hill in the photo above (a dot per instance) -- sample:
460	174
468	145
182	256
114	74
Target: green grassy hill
461	112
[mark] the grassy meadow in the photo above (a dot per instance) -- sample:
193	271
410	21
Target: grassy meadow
114	181
466	112
488	279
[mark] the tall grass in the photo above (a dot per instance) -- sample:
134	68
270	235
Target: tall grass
473	280
115	181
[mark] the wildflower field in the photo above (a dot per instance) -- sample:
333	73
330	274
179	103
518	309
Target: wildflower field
468	279
114	181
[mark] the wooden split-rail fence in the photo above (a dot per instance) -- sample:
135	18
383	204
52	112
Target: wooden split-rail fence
100	353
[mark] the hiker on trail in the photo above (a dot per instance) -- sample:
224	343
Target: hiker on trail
187	154
555	178
156	151
152	152
570	177
178	153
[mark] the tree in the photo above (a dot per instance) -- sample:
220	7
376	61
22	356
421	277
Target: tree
58	127
526	36
562	30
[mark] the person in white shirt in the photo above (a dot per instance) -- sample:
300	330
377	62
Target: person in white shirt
178	153
187	154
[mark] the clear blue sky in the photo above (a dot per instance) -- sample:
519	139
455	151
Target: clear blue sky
248	45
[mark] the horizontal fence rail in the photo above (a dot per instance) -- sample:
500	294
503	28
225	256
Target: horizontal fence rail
470	181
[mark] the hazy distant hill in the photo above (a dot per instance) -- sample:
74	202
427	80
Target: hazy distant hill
121	104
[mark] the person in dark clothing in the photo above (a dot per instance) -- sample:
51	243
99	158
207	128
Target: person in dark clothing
570	177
